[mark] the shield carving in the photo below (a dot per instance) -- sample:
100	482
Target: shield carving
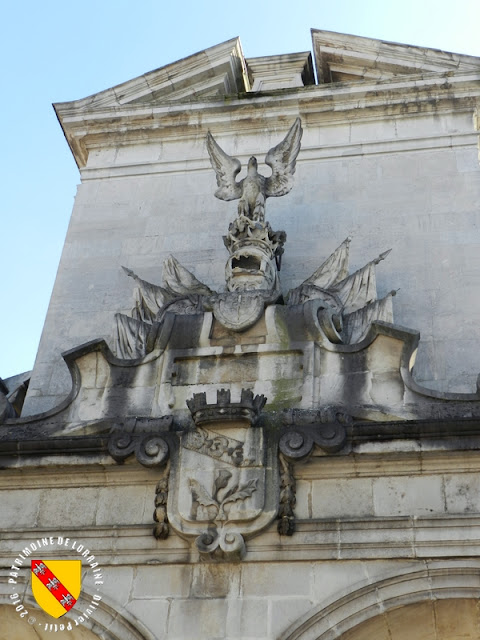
220	491
56	584
224	476
238	311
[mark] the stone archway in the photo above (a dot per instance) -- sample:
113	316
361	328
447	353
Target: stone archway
106	623
439	602
449	619
15	628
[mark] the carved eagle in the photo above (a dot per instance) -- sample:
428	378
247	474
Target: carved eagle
255	188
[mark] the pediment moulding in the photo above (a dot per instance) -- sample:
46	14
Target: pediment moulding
225	62
209	90
340	57
281	72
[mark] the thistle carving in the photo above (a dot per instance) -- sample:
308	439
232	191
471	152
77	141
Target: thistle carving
231	477
215	506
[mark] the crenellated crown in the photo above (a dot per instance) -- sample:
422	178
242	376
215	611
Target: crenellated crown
247	410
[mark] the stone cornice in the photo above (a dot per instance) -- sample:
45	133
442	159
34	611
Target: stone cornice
33	445
402	537
102	126
408	458
211	88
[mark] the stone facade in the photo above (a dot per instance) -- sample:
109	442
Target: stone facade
306	479
389	158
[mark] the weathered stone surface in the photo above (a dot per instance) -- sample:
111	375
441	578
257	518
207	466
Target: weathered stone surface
281	72
377	477
296	366
406	158
255	188
223	485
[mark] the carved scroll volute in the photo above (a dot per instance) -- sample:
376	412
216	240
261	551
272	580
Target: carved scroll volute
298	442
326	430
151	450
150	445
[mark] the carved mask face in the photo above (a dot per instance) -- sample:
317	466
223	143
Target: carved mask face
250	270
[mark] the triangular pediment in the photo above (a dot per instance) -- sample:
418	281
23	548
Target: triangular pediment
216	71
344	58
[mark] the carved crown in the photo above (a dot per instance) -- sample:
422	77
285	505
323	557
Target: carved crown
224	410
244	232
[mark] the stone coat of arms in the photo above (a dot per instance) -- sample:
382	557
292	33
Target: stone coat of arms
222	487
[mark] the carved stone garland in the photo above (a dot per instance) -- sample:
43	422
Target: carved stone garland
161	529
286	515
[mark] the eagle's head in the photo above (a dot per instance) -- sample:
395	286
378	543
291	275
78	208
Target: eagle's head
252	165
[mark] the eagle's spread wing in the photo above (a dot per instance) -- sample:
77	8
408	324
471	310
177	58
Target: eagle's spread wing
282	161
226	169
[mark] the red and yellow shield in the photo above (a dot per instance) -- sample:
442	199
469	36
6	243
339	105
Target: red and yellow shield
56	584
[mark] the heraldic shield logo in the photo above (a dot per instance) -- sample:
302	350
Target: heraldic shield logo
56	585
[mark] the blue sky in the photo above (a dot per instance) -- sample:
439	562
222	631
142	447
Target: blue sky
59	51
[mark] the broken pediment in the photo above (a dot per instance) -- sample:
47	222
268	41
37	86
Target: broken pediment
188	92
344	58
223	70
212	73
218	70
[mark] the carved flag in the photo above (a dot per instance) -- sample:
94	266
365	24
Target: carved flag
56	584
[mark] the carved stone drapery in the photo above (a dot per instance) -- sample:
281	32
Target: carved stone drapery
346	305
